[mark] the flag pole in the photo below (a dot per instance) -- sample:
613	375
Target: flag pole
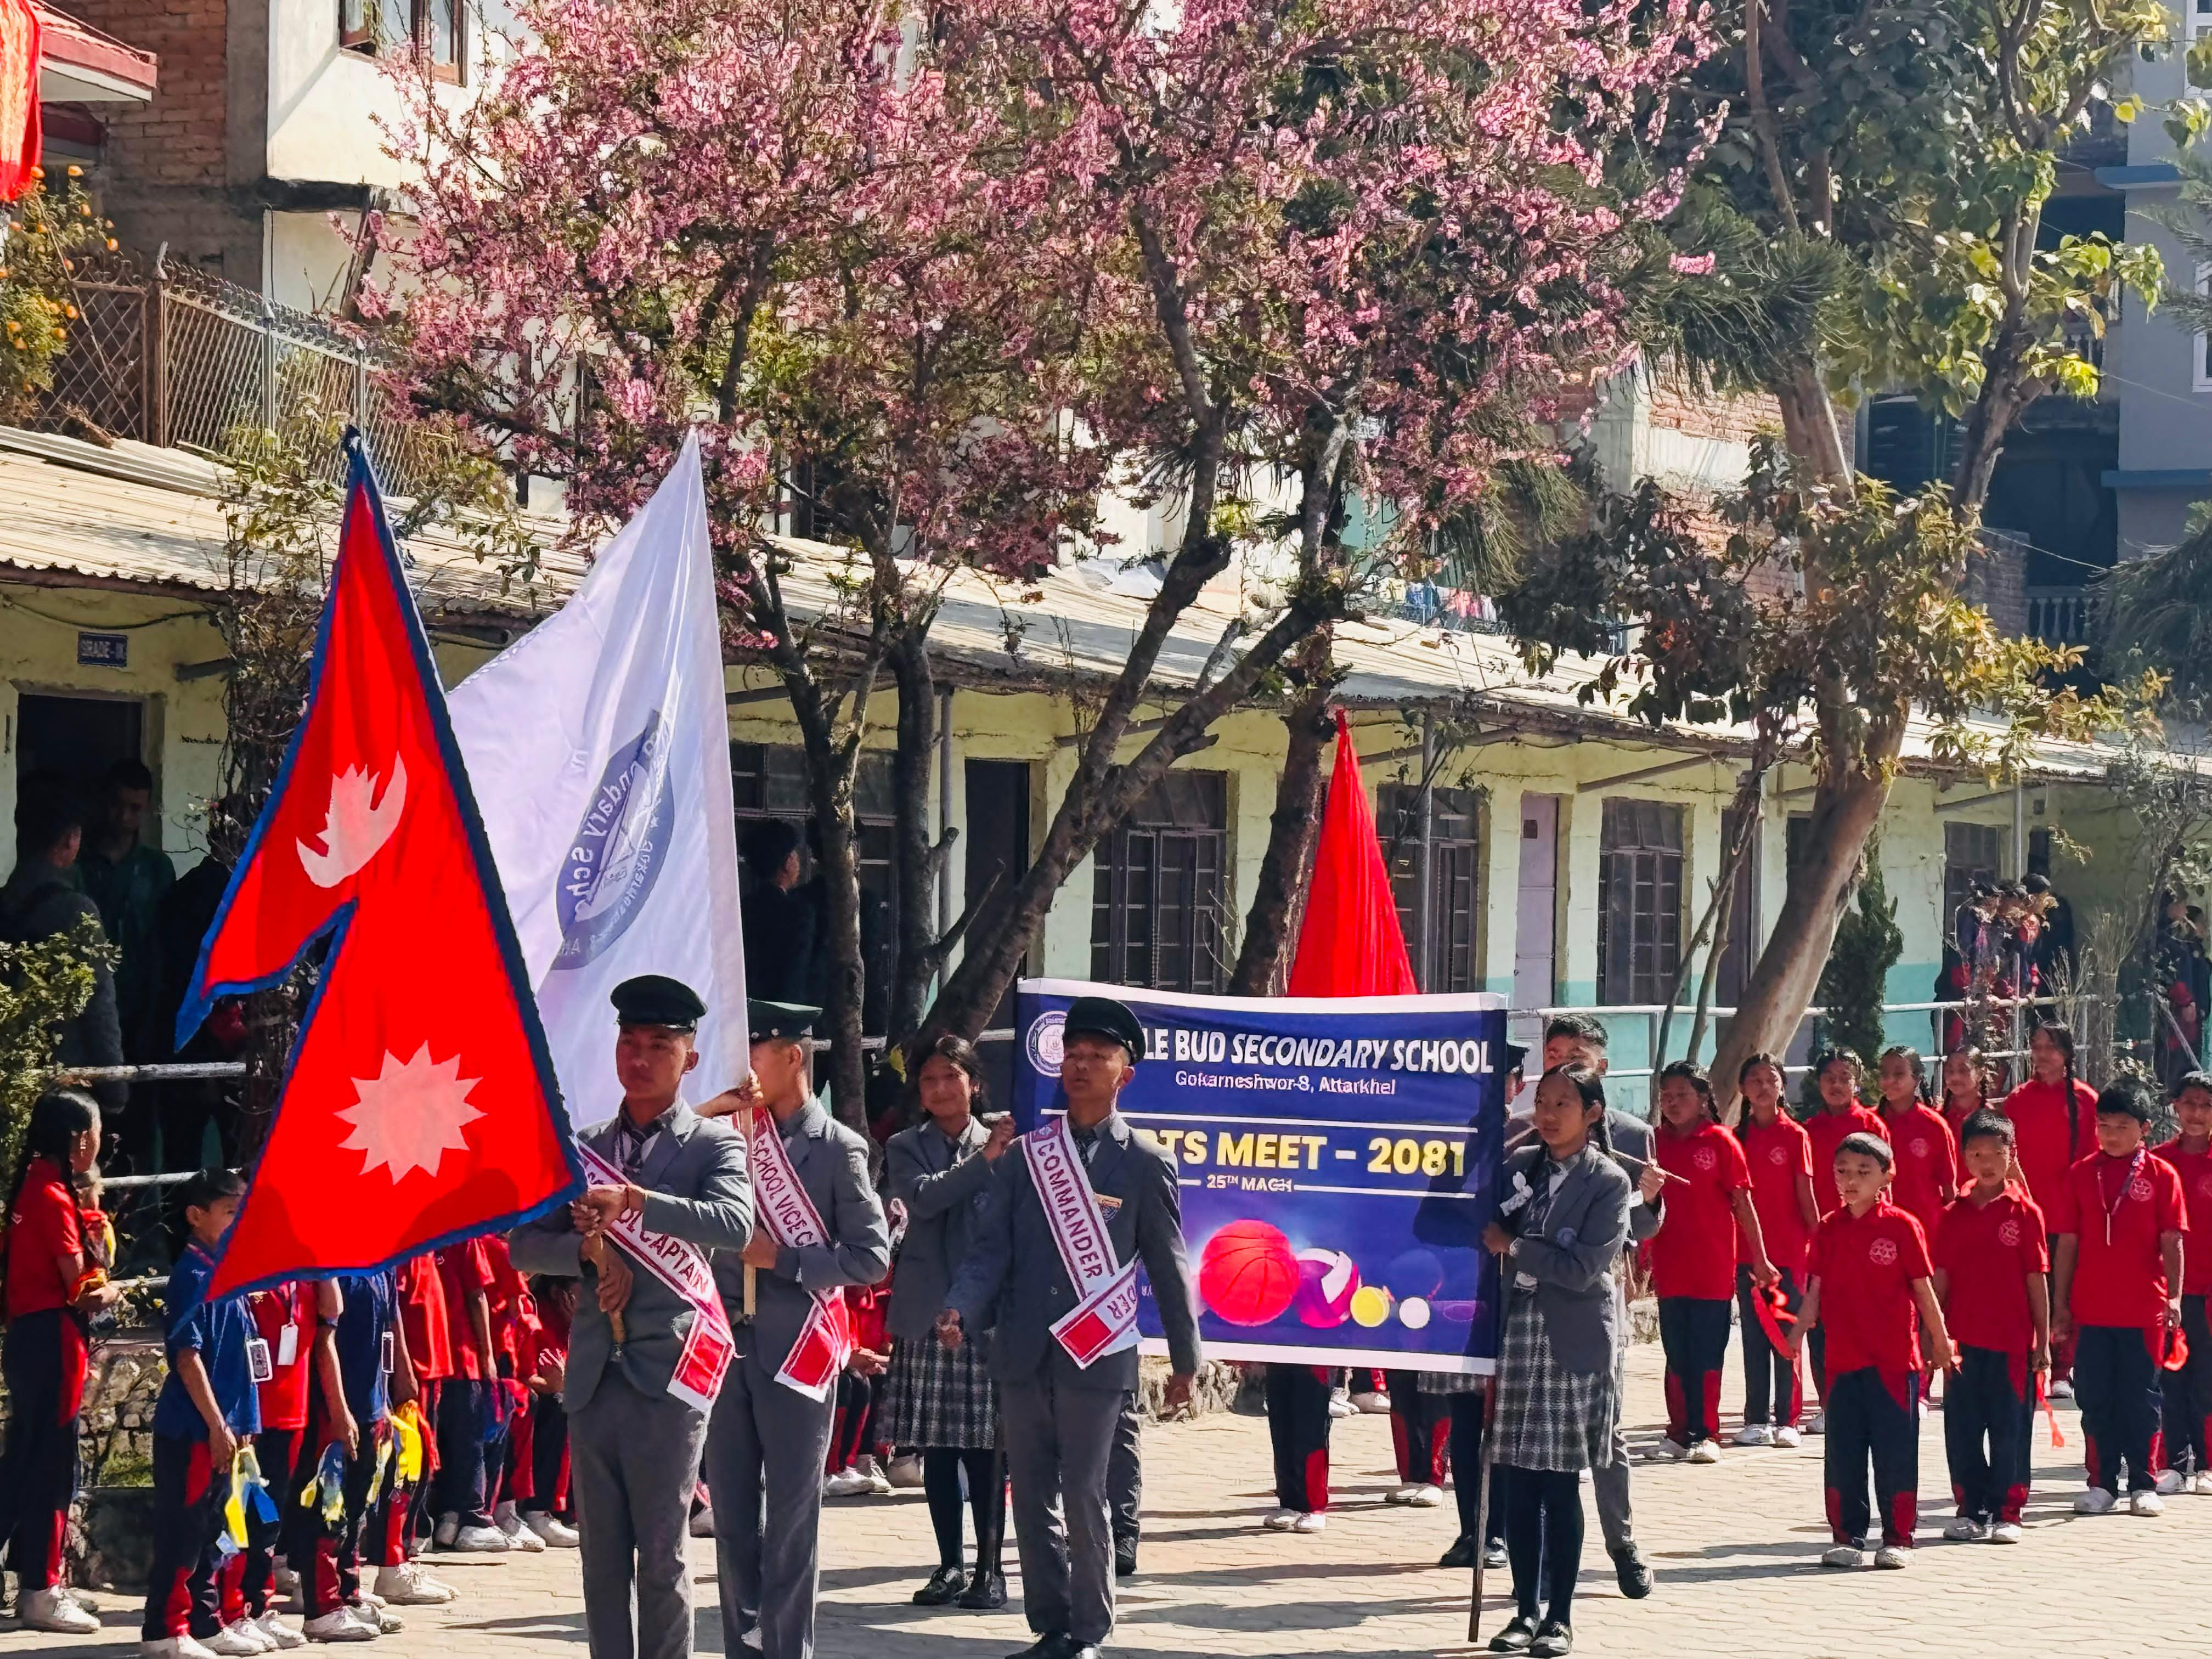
1482	1505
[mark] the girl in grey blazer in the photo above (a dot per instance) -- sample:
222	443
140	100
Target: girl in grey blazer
941	1399
1561	1226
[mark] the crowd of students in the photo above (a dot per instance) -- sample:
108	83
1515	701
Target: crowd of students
312	1443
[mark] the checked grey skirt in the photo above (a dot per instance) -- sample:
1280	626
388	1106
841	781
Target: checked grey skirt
1548	1417
939	1396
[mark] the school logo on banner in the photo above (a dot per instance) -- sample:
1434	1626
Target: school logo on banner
1882	1253
618	848
1046	1045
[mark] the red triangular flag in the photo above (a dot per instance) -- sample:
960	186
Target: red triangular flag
420	1105
1350	944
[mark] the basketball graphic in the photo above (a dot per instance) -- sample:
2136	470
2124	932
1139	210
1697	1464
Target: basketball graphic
1328	1280
1882	1252
1706	1159
1247	1273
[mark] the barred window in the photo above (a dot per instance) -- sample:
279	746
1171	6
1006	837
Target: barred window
1639	923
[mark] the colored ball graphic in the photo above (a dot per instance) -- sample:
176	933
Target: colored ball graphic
1247	1273
1370	1306
1328	1280
1414	1314
1415	1272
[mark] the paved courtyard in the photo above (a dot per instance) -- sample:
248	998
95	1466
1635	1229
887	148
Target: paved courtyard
1735	1545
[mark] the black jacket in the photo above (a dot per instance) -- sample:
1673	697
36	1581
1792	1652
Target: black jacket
37	903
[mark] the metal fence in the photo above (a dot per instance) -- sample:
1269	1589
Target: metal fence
172	355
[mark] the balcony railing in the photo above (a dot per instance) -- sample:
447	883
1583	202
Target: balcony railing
170	354
2061	616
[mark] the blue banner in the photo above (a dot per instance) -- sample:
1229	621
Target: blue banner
1338	1159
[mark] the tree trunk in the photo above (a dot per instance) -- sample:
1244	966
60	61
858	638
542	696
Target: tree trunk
1716	907
1706	980
917	859
1263	959
1808	427
1845	810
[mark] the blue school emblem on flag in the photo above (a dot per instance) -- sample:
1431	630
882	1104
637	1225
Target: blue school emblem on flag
617	851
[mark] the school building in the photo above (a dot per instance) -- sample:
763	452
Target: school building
1560	857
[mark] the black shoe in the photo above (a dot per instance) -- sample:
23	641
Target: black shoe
943	1589
1635	1577
1552	1641
1050	1646
1493	1554
1459	1555
1125	1558
986	1592
1520	1631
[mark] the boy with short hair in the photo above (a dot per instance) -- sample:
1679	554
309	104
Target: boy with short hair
2188	1415
1990	1258
208	1405
1869	1274
2117	1279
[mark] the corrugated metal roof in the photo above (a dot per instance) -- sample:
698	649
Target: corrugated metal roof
141	516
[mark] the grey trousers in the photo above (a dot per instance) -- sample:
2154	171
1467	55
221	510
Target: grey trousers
1059	1441
766	1447
1609	1482
633	1460
1124	1473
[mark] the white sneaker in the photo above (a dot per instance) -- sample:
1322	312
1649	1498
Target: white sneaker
1789	1435
878	1485
524	1540
272	1624
1339	1405
906	1471
1667	1451
2005	1532
1402	1494
557	1534
2171	1481
846	1482
54	1611
173	1647
239	1640
1817	1423
448	1527
2200	1483
1844	1555
408	1586
2060	1390
1426	1497
339	1625
1316	1521
479	1540
2145	1503
378	1617
1891	1557
2096	1501
1278	1519
1706	1451
1965	1529
1373	1404
1755	1434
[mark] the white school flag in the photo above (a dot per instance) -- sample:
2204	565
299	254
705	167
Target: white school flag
598	747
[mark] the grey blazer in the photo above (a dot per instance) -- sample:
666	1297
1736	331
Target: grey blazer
1631	1138
942	1183
1013	1282
1573	1256
832	1164
698	1190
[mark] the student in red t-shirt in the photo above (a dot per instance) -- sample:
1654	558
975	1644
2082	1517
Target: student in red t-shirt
2116	1270
1693	1255
468	1404
1779	1154
2051	1139
1871	1275
514	1318
1927	1174
422	1321
286	1319
1837	1073
2188	1416
1966	1092
1992	1276
56	1262
545	1509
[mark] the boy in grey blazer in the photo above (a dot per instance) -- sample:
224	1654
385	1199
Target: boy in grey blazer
633	1447
1059	1418
767	1442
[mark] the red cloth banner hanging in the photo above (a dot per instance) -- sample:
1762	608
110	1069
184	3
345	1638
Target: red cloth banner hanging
1350	944
19	95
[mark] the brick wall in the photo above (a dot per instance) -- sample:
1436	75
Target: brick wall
1731	419
164	173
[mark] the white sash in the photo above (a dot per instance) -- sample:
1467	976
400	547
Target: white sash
1104	1320
684	1268
825	1342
